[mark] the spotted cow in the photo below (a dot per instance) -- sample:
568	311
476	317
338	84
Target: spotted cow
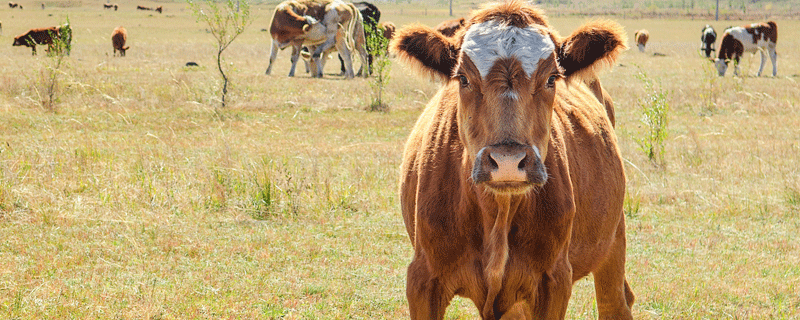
761	37
708	37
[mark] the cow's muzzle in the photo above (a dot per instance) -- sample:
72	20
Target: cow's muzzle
509	168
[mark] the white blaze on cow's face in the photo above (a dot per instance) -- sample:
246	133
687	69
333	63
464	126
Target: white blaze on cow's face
489	41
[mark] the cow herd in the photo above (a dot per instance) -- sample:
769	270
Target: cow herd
759	37
314	29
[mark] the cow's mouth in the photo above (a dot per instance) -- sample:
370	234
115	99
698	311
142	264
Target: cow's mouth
509	187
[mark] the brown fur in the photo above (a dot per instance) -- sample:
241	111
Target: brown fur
450	27
514	249
118	38
42	36
388	29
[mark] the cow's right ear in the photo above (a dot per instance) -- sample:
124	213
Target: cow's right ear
430	51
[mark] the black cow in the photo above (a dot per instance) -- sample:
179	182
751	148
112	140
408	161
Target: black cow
708	37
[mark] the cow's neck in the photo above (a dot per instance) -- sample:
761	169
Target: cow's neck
497	212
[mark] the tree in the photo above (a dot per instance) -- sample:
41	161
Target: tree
225	24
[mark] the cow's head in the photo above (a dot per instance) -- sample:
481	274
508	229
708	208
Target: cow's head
507	67
22	41
721	65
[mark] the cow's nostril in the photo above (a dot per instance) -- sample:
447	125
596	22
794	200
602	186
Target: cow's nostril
492	163
522	163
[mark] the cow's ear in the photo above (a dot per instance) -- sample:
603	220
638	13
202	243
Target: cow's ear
431	52
592	46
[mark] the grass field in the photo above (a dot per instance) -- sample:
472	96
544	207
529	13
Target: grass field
135	198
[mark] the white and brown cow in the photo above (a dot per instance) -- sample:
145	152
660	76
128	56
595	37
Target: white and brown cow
708	37
314	23
761	37
641	36
512	183
118	39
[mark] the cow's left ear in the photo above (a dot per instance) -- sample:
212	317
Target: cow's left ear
592	46
428	50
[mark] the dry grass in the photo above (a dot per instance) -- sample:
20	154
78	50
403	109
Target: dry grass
132	200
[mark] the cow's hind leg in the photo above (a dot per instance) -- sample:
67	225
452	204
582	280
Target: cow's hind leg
763	61
295	57
773	54
273	54
428	297
614	295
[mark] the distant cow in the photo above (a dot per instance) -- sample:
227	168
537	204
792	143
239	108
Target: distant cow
761	37
144	8
159	9
450	27
512	184
118	38
321	24
708	36
641	37
110	6
41	36
12	5
370	15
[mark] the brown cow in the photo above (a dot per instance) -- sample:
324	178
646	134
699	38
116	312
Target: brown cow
761	37
641	36
144	8
12	5
450	27
512	184
118	38
159	9
42	36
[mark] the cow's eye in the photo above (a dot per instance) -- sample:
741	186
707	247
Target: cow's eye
463	80
551	82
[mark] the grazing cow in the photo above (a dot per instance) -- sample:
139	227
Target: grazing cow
512	184
450	27
321	24
114	6
708	36
42	36
118	38
641	37
761	37
159	9
370	16
144	8
192	64
12	5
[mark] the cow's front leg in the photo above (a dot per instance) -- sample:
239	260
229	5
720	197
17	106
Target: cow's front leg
317	55
428	297
556	285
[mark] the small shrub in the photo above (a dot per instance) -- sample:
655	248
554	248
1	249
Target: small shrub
655	110
378	47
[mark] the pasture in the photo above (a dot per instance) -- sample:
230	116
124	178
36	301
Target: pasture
135	197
